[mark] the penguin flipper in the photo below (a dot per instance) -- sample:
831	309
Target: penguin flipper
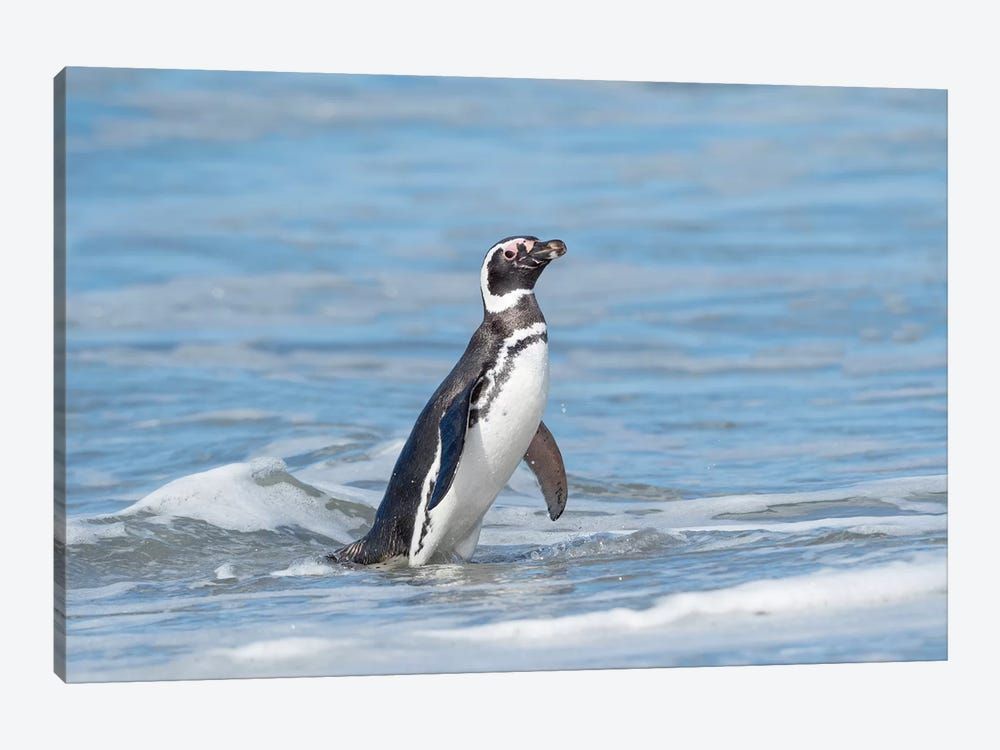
545	461
452	428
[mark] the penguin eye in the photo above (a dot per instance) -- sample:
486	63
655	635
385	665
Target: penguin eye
509	254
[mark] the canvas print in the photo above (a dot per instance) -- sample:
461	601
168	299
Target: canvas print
366	374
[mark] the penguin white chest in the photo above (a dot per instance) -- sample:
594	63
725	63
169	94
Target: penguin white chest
504	418
512	408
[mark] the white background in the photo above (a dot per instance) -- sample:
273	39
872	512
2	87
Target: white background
940	45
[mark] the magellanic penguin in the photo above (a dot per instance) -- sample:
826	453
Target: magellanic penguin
479	424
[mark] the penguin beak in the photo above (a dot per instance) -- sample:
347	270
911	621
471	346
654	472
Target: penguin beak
548	251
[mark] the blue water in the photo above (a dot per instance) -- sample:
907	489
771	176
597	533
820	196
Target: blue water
753	304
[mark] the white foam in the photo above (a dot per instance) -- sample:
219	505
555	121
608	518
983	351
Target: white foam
887	525
83	531
255	496
225	572
825	590
894	491
278	650
304	568
902	525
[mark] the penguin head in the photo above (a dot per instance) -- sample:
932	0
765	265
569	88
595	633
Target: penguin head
512	266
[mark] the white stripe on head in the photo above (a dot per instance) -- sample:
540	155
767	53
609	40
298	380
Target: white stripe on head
499	302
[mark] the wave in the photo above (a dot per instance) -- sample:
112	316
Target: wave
280	650
605	544
899	492
902	525
262	496
829	589
85	531
259	495
228	417
888	507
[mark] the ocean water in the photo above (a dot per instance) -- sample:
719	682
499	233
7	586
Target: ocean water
268	275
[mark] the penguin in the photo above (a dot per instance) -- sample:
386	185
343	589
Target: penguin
484	418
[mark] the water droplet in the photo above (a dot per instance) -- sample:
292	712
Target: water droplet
562	407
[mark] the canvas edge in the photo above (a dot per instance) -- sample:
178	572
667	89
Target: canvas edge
59	374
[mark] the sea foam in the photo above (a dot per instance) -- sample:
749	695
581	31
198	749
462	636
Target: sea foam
824	590
254	496
82	531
